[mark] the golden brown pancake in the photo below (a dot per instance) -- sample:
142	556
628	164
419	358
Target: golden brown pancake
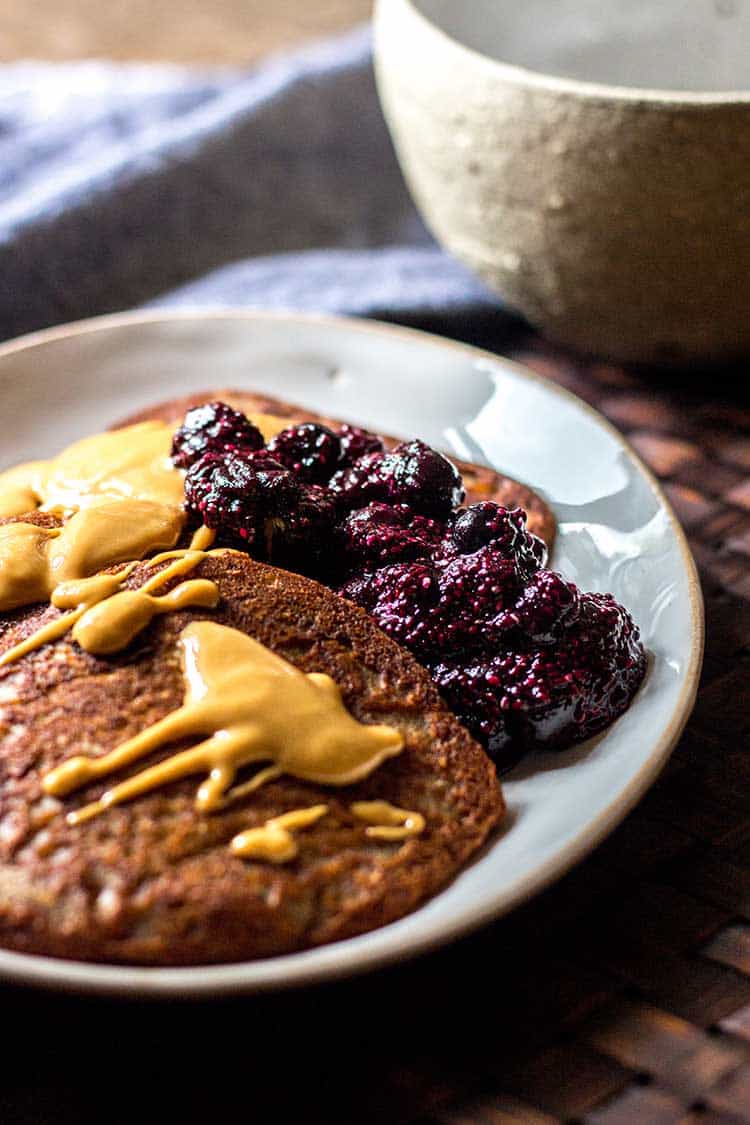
153	881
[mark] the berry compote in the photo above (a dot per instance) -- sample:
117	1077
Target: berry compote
524	658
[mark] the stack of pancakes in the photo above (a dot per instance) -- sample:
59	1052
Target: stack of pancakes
153	881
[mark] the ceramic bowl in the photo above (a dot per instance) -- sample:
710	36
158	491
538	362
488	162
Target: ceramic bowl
589	159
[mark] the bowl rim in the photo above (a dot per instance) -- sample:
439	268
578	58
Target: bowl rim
186	982
515	73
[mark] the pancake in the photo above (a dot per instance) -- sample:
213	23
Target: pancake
481	482
153	881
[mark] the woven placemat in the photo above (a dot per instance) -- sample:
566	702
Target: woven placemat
620	995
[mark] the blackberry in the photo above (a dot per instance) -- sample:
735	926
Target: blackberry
475	591
469	690
547	604
434	609
297	535
412	473
355	443
309	450
505	528
257	502
400	598
213	427
226	493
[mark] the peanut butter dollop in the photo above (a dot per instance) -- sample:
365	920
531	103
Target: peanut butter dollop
121	499
129	464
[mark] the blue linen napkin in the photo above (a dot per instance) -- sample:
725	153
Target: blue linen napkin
129	184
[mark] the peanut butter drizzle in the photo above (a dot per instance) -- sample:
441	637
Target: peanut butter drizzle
109	624
122	497
386	821
254	707
274	841
103	616
34	561
17	496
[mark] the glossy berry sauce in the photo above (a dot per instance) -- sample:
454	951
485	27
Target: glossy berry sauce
523	657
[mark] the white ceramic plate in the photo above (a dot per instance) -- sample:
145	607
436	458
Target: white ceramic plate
616	532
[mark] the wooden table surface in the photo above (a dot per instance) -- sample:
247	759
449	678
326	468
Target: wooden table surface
620	995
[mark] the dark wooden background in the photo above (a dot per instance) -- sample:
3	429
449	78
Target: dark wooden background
620	995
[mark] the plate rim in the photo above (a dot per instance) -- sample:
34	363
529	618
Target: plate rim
190	982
